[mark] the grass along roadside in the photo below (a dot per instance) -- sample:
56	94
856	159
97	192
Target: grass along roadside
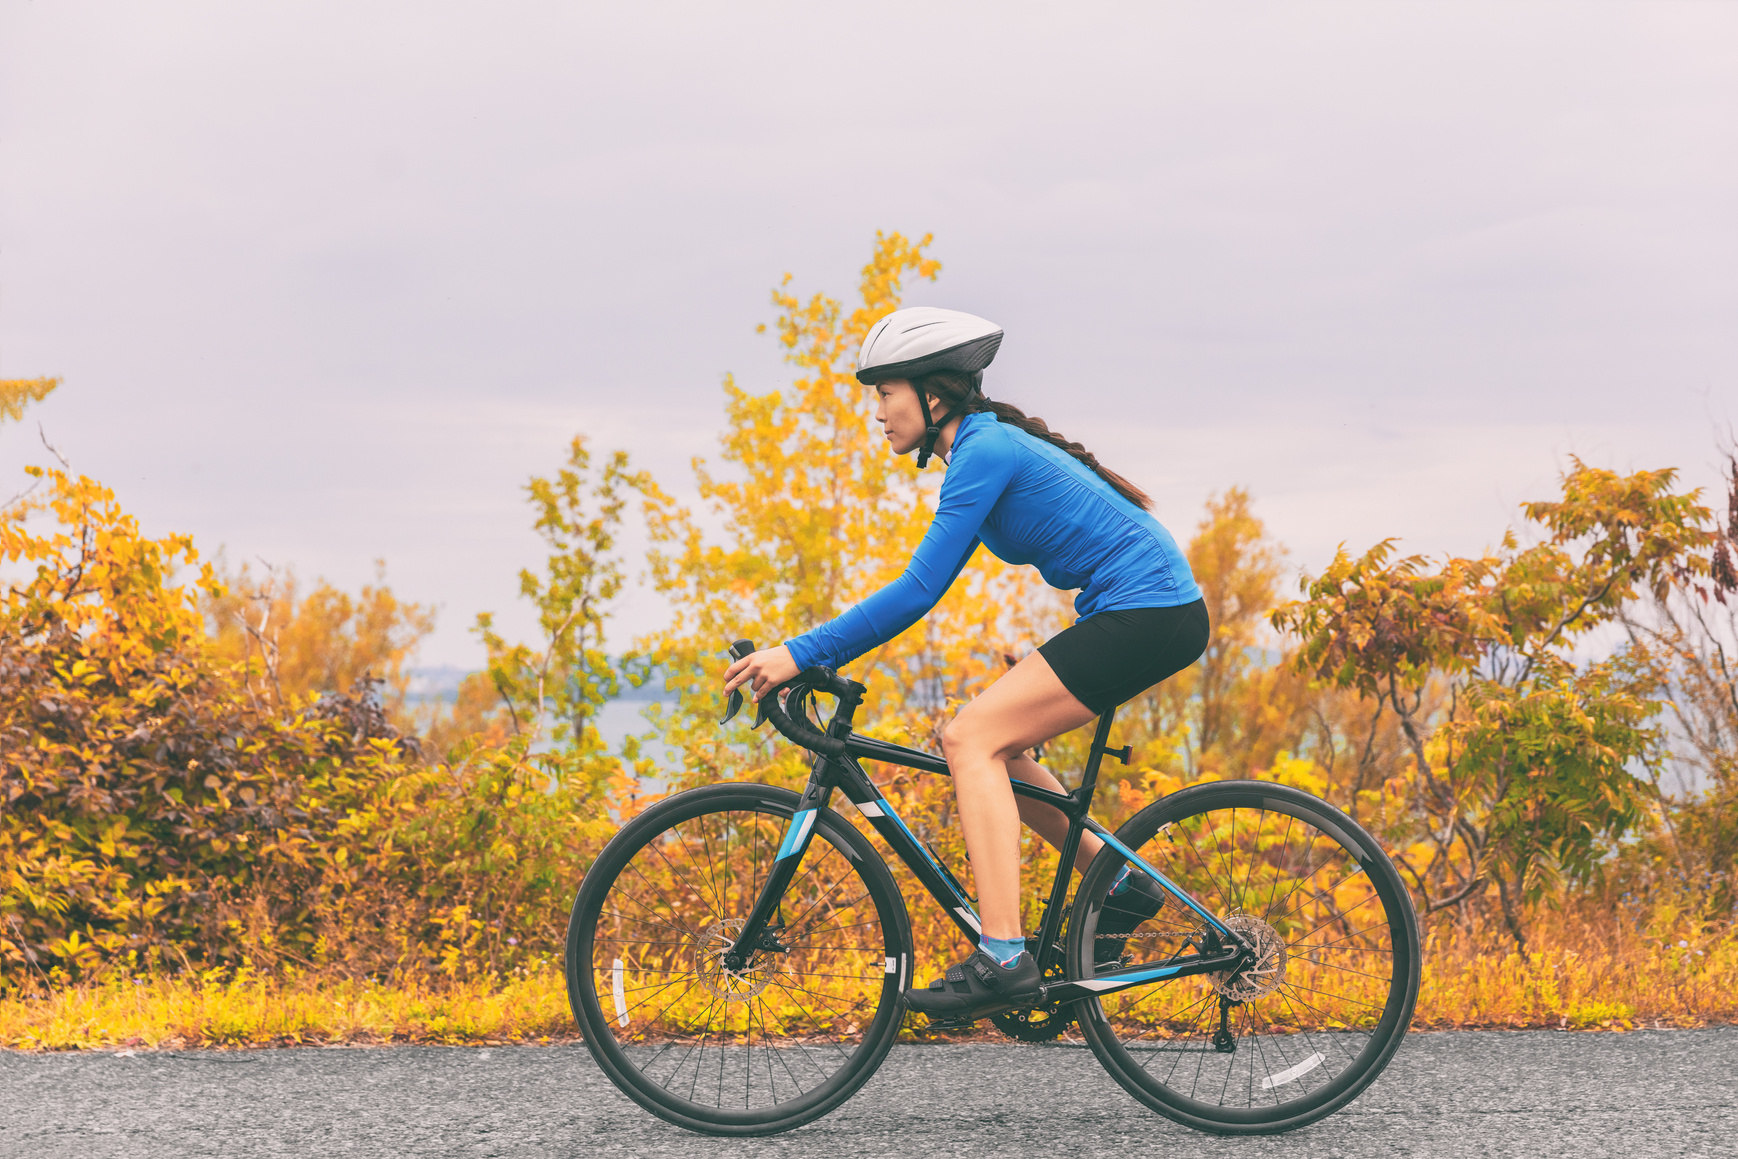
1577	977
1583	975
177	1013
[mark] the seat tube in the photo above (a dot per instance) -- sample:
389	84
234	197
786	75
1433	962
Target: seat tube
1053	912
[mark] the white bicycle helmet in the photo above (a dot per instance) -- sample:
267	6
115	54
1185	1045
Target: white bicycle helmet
920	340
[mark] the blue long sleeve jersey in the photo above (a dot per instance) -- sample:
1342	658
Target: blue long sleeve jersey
1029	502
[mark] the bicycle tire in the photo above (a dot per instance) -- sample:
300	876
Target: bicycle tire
1340	951
792	1035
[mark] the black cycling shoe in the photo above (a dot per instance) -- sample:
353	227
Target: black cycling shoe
977	987
1123	913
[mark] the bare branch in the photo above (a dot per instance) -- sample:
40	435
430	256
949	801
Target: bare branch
52	449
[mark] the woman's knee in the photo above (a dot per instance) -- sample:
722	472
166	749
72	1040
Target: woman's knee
952	738
957	738
965	737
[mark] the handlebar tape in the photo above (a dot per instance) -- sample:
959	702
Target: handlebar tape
800	731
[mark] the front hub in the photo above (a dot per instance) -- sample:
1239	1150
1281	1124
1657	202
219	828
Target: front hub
714	965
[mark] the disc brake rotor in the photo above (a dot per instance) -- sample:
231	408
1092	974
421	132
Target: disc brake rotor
1260	977
731	985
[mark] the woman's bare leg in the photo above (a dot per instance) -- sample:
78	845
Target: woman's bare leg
1046	820
985	745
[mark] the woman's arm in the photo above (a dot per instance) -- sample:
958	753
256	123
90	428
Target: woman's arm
977	477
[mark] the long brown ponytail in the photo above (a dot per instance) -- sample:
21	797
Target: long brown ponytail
959	395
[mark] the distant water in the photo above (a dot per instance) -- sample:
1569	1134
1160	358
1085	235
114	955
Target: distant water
615	721
620	719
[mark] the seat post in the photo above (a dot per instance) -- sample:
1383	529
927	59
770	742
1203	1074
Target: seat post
1096	755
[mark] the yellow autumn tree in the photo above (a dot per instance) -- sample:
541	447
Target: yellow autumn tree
294	645
552	692
18	393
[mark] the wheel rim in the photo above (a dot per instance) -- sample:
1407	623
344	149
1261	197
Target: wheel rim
1330	985
749	1043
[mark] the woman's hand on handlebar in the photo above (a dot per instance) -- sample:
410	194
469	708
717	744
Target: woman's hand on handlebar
761	671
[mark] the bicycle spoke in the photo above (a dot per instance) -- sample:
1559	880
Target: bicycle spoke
1209	872
1314	869
1308	1039
1341	916
1249	872
1335	944
1349	970
647	921
841	1052
674	872
711	876
1325	993
1285	847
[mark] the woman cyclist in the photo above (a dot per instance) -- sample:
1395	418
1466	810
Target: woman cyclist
1032	497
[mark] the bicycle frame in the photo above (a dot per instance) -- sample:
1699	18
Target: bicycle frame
1222	948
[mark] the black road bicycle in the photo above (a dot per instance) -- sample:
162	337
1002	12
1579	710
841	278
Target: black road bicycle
738	953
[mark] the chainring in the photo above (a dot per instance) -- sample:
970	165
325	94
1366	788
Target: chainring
1044	1023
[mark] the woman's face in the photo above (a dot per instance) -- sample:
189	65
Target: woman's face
900	415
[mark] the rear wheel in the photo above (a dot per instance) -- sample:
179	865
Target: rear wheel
1313	1021
755	1051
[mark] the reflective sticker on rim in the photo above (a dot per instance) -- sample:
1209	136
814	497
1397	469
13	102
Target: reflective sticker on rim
1293	1073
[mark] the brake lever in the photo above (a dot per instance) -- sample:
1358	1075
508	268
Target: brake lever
738	650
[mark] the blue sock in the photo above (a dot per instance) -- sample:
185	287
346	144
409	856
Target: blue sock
1122	880
1003	950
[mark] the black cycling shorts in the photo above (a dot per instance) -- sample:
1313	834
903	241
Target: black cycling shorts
1112	657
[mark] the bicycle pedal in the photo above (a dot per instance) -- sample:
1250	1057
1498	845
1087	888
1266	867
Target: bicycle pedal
951	1024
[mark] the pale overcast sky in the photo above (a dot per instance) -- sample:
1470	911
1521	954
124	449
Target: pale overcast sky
327	282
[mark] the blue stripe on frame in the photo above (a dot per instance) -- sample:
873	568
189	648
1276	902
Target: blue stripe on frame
1163	881
795	835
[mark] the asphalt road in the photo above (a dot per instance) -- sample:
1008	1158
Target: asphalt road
1535	1094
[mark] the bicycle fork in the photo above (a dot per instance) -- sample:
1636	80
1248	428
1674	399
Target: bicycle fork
759	933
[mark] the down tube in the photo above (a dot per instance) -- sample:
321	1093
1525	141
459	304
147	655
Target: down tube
879	813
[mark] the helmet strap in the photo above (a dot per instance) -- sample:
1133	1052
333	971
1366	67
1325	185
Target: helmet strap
931	433
932	426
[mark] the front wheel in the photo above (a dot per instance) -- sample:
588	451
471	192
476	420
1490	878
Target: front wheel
753	1051
1312	1022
